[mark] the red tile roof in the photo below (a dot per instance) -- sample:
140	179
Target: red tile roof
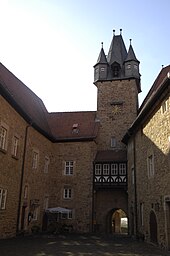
156	85
111	155
74	125
58	126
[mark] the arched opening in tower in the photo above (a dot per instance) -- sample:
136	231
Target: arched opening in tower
119	222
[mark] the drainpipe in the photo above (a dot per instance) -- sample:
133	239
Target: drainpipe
135	188
22	177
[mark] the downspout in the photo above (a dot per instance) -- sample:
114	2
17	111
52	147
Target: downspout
93	215
135	189
22	177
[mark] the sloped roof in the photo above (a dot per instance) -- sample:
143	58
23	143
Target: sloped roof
25	99
156	85
111	155
73	125
102	58
131	54
117	52
150	102
56	126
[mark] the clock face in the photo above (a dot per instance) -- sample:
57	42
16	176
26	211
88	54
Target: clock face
116	109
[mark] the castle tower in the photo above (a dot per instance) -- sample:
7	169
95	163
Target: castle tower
117	80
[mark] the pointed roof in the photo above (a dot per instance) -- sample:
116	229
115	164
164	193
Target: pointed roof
102	57
25	100
117	52
131	55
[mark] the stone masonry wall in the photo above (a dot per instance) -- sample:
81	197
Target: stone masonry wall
10	167
153	139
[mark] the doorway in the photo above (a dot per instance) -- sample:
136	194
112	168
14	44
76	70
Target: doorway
119	222
153	228
168	224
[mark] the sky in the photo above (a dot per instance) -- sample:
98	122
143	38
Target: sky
52	45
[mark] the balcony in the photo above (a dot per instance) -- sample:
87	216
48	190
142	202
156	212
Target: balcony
110	175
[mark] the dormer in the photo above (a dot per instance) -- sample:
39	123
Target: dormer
115	70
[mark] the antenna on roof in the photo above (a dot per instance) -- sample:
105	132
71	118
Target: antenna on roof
114	32
102	44
121	31
130	41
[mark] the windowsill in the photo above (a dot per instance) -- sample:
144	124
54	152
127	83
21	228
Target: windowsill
15	157
3	150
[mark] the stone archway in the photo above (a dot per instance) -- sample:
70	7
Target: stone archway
117	222
153	228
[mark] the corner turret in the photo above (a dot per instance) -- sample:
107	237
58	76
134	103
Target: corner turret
101	67
131	64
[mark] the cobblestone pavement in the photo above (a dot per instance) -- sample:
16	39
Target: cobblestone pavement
77	245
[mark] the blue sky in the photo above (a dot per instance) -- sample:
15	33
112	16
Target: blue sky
52	45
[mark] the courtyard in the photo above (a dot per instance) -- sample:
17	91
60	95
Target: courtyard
77	245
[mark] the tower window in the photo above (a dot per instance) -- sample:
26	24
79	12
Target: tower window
102	69
115	71
135	66
113	142
128	66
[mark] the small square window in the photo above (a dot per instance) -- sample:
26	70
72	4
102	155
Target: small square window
114	169
3	137
46	164
98	169
106	169
122	169
67	193
69	167
35	213
15	146
3	196
150	166
164	106
46	201
35	160
113	142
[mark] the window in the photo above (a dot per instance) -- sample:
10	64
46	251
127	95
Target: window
150	166
133	176
35	213
102	69
106	169
128	66
67	215
115	71
70	214
3	137
135	66
113	142
46	201
98	169
46	164
141	213
26	192
75	128
164	106
35	160
69	167
122	169
3	196
15	146
114	169
67	193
